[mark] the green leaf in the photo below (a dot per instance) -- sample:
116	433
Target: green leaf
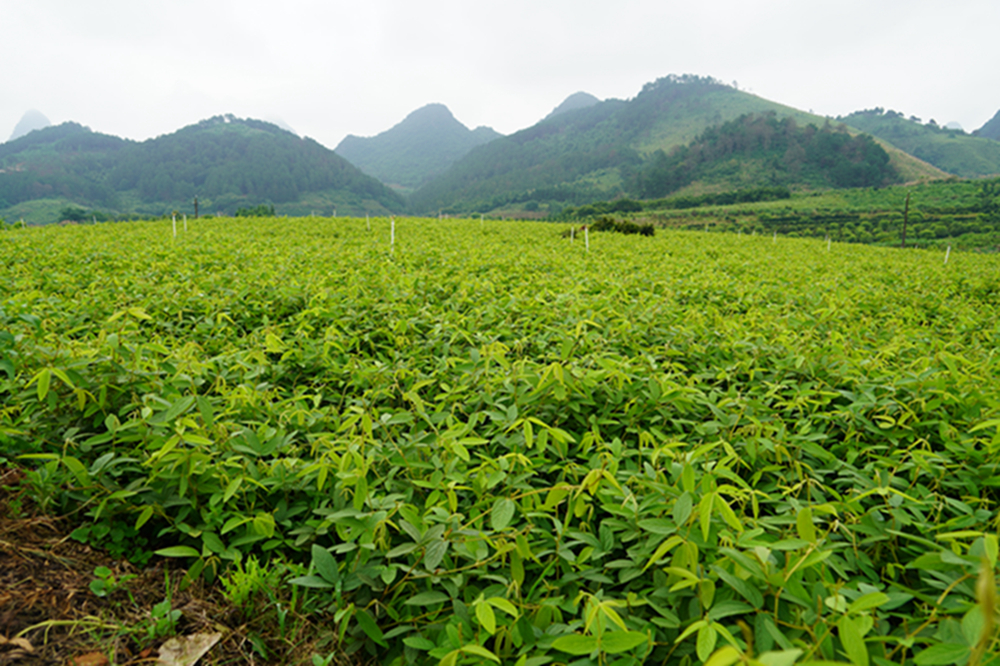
853	640
870	600
231	489
479	652
705	517
707	637
575	644
144	516
419	643
487	618
368	625
315	582
435	553
427	598
504	605
177	551
804	525
44	378
942	654
973	625
502	513
326	564
724	656
622	641
682	508
658	526
782	658
662	550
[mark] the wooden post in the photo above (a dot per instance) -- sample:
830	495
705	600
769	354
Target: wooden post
392	235
948	252
174	218
185	222
196	208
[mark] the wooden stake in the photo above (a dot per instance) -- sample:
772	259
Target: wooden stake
185	222
947	252
392	235
174	218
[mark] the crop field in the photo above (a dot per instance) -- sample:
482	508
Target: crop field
491	444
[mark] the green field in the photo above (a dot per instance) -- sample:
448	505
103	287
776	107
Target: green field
491	444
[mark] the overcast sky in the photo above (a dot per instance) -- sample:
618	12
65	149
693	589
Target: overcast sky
139	69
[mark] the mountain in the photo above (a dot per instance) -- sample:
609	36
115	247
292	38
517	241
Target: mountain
950	150
991	130
423	145
578	100
226	162
596	152
31	120
757	151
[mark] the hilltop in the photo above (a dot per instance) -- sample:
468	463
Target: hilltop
421	146
991	129
578	100
226	162
595	152
950	150
32	120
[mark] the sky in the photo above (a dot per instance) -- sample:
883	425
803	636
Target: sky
139	69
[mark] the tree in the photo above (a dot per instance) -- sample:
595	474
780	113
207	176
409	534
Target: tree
73	214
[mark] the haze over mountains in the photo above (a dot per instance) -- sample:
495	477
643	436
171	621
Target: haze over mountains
680	134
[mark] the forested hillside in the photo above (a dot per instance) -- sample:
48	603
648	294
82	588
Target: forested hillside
602	151
755	151
950	150
227	162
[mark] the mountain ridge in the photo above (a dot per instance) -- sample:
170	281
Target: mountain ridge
225	161
424	144
593	153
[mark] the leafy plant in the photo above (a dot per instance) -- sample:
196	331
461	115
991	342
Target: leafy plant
491	445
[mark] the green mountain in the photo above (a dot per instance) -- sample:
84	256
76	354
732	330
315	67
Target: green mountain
762	151
950	150
991	130
597	152
423	145
227	162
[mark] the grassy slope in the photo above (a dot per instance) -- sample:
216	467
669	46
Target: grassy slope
951	151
